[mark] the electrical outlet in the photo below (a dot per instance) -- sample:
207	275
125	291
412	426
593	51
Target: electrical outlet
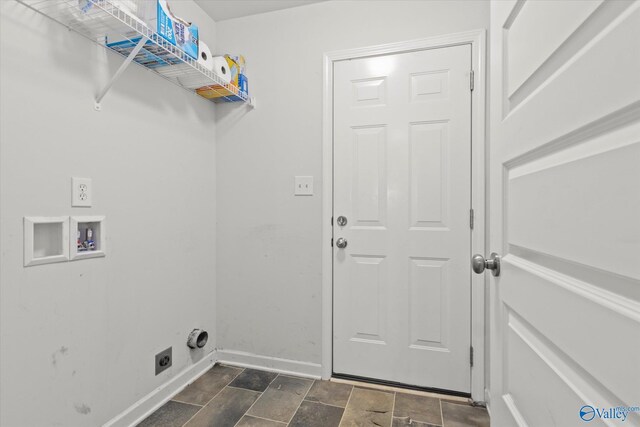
81	192
163	360
304	186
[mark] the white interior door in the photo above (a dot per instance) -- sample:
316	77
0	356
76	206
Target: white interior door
565	211
402	180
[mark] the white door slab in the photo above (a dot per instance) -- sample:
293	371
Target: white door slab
565	211
402	180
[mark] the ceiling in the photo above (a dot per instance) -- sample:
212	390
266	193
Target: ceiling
220	10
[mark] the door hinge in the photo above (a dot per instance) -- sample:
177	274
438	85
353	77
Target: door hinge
472	80
471	356
471	218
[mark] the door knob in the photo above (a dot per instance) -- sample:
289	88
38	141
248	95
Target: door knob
493	263
341	243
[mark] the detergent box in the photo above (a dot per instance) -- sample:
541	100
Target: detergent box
176	31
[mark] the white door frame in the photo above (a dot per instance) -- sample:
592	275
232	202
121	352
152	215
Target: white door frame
477	39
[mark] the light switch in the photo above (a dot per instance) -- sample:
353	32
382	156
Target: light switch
304	186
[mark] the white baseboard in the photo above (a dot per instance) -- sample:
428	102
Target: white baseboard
152	401
268	363
487	399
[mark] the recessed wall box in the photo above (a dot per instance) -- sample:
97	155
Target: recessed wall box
46	240
87	237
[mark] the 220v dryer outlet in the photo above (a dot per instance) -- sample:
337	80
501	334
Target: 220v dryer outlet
81	192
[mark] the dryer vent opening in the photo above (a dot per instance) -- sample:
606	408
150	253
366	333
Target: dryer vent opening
197	338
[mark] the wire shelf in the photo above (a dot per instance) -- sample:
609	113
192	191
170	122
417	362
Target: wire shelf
114	25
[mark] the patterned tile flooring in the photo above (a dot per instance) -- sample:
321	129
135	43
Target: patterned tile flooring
228	396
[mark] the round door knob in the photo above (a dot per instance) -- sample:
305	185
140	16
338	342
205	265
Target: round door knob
341	243
479	264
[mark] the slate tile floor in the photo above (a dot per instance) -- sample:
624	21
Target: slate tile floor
227	396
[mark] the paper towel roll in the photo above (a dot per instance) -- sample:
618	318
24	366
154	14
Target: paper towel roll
221	68
205	58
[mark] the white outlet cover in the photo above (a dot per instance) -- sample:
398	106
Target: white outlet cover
304	186
81	192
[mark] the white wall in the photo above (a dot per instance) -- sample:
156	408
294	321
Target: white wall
269	242
78	339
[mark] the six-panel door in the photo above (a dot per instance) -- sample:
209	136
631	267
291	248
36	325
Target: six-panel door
402	178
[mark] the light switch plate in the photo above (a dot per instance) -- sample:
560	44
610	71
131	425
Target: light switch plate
304	186
81	192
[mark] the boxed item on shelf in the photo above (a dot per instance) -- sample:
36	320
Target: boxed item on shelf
218	93
242	91
243	83
238	88
223	92
176	31
152	56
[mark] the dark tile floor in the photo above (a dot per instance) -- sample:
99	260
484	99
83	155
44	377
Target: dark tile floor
228	396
